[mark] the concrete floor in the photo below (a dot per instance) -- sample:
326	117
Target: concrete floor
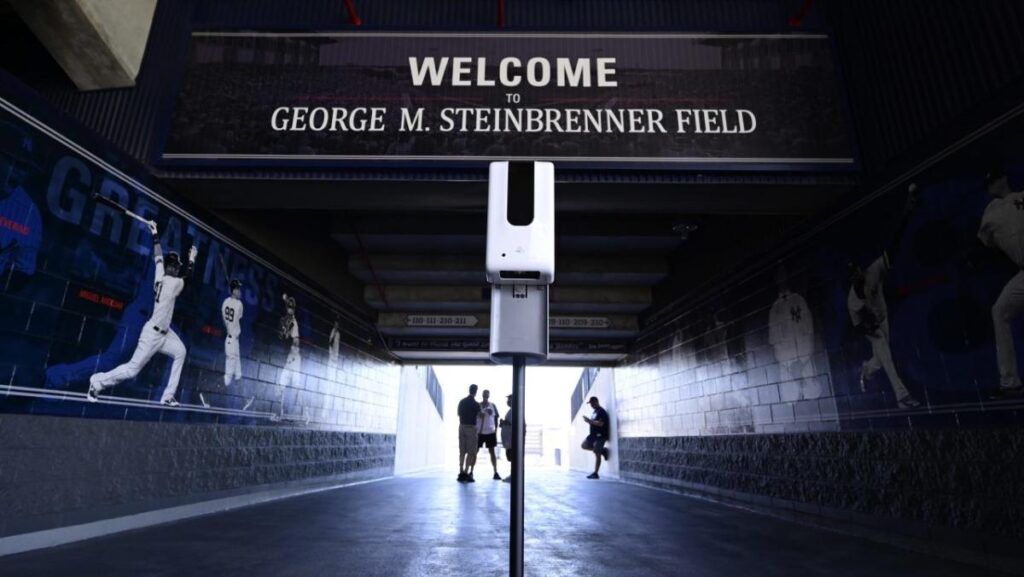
431	525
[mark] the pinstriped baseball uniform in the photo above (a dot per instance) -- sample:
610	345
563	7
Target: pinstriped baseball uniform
1002	229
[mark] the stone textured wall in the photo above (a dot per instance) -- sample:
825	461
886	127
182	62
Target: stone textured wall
58	471
960	479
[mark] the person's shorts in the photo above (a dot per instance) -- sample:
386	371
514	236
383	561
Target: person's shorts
593	443
490	440
467	439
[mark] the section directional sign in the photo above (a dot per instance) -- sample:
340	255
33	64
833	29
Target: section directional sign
580	322
442	321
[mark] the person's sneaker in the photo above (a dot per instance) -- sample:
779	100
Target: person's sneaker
470	479
593	476
908	402
462	477
94	390
497	477
170	402
606	453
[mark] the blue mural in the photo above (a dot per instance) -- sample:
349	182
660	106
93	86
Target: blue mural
902	311
113	304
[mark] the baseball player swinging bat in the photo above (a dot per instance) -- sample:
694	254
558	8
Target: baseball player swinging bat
157	336
114	204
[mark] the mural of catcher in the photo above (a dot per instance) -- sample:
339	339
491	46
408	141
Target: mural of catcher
288	331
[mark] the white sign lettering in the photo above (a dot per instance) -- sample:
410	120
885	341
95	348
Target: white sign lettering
569	72
579	323
463	321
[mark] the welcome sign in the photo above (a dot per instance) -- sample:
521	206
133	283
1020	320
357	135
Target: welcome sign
455	98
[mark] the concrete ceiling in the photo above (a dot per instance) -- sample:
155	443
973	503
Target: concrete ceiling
412	253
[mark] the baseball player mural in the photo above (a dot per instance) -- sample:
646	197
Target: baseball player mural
791	330
231	311
869	313
157	335
334	346
288	331
21	227
1002	229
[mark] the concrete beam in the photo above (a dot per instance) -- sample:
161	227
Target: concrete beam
479	324
98	43
475	350
616	198
468	299
464	270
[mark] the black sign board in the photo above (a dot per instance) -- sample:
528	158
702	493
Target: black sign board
661	100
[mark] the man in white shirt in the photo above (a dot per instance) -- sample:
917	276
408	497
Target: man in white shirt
487	429
1002	229
157	335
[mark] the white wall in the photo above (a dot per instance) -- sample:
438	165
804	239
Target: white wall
420	443
580	460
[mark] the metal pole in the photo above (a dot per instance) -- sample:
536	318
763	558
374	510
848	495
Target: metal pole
515	542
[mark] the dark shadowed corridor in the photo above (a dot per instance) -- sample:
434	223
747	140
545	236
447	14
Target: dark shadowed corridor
430	525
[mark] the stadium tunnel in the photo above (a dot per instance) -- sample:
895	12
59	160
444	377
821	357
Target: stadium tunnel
788	251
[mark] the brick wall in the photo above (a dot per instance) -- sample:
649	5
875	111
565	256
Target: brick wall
913	479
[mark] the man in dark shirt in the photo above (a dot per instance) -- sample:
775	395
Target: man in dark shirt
508	433
599	431
468	411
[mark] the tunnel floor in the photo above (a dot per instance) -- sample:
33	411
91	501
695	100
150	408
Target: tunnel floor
431	525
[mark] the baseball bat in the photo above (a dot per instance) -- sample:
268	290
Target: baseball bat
114	204
224	267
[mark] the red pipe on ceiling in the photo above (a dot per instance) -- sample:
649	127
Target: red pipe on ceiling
501	12
352	16
797	20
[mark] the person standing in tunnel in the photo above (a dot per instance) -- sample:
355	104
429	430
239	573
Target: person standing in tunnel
506	425
1002	229
487	430
469	409
507	434
599	431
